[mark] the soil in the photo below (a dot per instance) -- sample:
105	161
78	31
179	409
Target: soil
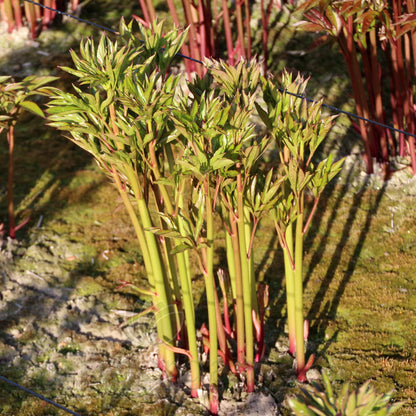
61	312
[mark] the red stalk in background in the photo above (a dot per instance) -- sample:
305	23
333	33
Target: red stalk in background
35	17
8	15
10	203
17	10
362	29
30	14
204	19
265	18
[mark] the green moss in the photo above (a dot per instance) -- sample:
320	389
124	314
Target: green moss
88	286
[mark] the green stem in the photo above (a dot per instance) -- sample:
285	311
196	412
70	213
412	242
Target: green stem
135	221
165	354
164	305
224	288
188	306
166	247
239	293
157	176
290	287
164	204
172	275
210	293
222	339
185	254
250	228
299	320
245	273
230	261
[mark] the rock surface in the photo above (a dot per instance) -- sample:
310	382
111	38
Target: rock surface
61	337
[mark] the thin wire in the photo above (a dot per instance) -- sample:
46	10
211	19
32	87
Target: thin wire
73	17
98	26
335	109
330	107
39	396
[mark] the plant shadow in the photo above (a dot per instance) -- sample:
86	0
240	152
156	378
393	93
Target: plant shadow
45	163
322	310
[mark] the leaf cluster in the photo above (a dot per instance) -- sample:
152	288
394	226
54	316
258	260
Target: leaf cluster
297	128
330	16
15	97
127	104
320	400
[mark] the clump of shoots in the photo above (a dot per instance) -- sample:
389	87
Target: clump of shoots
319	400
184	157
122	121
297	129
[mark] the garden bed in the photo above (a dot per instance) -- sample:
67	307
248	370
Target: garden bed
60	313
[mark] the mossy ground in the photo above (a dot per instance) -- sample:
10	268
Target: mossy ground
360	295
360	287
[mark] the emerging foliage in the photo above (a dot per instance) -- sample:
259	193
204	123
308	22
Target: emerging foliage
320	400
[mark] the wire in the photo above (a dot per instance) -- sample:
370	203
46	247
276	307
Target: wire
107	29
39	396
336	109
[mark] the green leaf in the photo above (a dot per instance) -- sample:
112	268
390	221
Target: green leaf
180	248
34	83
4	78
222	164
32	107
300	408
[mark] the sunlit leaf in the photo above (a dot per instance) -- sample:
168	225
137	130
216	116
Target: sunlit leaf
32	107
